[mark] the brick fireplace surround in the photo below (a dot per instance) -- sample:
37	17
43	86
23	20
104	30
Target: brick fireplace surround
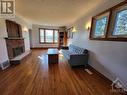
12	44
14	41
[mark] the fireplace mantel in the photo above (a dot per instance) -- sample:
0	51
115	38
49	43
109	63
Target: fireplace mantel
14	38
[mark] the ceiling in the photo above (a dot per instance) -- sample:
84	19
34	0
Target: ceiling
54	12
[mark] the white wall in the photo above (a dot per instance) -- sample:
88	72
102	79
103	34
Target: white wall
35	36
107	57
3	48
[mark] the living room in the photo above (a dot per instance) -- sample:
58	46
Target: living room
75	47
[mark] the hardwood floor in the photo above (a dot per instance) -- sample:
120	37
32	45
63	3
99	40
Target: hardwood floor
36	77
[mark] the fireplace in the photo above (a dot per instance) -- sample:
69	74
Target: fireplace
15	40
17	51
15	47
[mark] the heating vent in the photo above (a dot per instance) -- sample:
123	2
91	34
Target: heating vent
5	65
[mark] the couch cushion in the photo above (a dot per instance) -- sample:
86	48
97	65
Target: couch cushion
73	50
67	53
76	49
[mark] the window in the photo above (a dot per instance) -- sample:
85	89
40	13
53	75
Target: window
121	23
100	27
56	36
41	35
110	25
48	36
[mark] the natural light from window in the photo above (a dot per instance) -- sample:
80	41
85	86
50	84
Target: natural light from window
42	36
100	27
121	23
48	36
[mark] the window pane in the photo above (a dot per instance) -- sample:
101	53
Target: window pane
121	23
56	36
100	27
49	36
42	35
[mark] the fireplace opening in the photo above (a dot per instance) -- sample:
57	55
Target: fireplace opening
17	51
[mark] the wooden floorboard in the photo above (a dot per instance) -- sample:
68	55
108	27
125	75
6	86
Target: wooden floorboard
36	77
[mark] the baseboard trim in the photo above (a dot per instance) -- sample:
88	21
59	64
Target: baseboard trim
99	74
102	76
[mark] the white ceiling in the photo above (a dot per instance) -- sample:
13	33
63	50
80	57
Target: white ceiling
54	12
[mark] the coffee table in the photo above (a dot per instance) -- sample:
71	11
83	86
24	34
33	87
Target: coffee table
53	56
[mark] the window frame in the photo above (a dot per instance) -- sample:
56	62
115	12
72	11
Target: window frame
45	36
116	9
109	33
93	25
115	24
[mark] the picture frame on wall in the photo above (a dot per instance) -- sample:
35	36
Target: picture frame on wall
70	33
100	25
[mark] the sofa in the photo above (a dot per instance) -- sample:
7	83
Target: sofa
76	56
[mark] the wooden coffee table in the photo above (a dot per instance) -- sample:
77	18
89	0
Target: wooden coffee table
53	56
